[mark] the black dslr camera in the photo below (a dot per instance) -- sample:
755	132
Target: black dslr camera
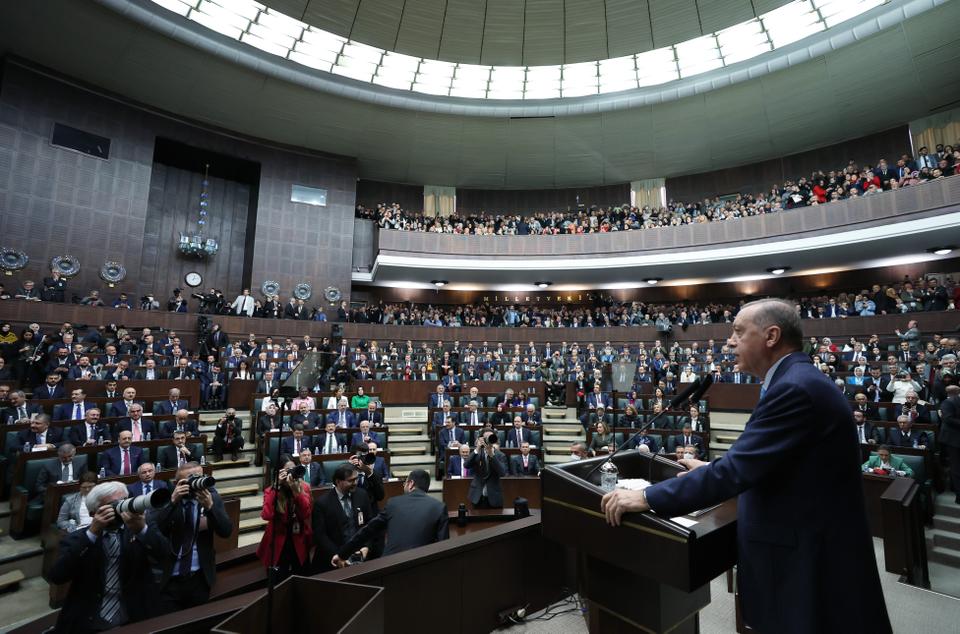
200	482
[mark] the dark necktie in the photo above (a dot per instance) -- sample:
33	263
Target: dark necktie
110	605
147	487
21	412
186	546
65	473
77	412
348	511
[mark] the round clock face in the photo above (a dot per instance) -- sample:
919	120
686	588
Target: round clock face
193	279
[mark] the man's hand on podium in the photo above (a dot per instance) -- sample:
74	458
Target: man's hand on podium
620	501
691	464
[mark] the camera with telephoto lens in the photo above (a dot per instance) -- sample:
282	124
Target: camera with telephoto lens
366	457
200	482
139	504
297	472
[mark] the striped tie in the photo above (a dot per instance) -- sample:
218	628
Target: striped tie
110	606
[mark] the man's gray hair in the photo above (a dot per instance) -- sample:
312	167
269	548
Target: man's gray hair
101	491
66	449
777	312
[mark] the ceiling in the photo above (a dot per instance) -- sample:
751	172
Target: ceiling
834	96
522	32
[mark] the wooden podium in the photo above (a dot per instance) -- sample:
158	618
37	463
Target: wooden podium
650	574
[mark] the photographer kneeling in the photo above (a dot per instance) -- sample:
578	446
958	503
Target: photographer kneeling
195	513
108	565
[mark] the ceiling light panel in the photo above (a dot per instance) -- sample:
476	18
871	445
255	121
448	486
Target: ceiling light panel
743	41
834	12
792	22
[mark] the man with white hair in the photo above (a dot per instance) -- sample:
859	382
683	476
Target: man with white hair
343	417
107	565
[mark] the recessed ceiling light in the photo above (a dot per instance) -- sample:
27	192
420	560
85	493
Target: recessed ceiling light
778	270
945	250
439	283
653	280
543	284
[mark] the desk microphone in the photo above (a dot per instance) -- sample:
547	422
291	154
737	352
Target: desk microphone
693	392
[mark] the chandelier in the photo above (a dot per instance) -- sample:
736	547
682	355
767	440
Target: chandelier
197	244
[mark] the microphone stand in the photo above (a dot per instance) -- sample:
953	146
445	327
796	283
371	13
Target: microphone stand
696	390
273	570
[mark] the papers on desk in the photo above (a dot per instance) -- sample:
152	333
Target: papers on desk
684	521
633	484
453	477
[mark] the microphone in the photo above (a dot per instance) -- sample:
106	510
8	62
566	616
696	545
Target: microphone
694	391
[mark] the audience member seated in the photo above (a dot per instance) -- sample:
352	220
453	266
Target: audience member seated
181	422
379	465
366	436
269	420
905	436
867	434
119	409
472	415
171	405
450	436
73	512
66	469
19	409
134	422
602	439
147	483
886	464
228	436
579	451
372	415
590	419
123	458
330	442
687	437
91	431
40	436
526	464
304	417
343	417
518	435
457	465
646	440
178	454
291	445
911	407
531	416
75	409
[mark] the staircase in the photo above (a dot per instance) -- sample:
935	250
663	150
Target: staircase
561	428
943	540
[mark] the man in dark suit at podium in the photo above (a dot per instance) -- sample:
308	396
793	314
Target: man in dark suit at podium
802	535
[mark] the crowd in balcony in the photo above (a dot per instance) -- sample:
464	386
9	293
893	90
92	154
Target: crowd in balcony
821	187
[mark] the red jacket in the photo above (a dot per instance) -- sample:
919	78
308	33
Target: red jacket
277	531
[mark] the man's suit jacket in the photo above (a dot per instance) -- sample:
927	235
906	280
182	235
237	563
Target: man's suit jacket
517	468
376	420
446	435
410	520
54	437
147	426
188	373
695	440
923	413
330	524
314	474
487	475
83	564
167	456
334	417
42	391
467	419
649	441
167	428
810	520
510	437
170	520
898	464
899	439
437	400
136	488
78	434
310	421
119	409
52	471
357	438
287	446
870	411
596	400
64	411
950	422
321	441
10	413
112	459
166	408
869	432
454	467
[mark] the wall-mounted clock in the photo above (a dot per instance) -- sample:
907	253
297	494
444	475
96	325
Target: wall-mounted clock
193	279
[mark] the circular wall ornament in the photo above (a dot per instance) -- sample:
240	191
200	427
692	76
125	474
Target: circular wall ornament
112	272
12	259
66	265
332	294
302	291
270	287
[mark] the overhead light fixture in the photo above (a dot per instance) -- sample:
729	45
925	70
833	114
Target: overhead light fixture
439	283
653	280
778	270
945	250
543	284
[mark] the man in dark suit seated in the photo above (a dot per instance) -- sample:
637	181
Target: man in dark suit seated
596	398
177	454
440	397
518	435
867	434
410	520
810	521
75	409
330	442
108	566
696	420
66	469
472	416
526	464
124	458
687	437
19	408
181	422
172	405
40	434
488	465
53	388
913	408
291	445
119	409
147	483
343	417
91	431
905	436
365	436
141	428
305	418
531	416
371	414
228	436
338	515
648	441
442	415
268	383
190	521
450	434
865	407
457	465
590	418
313	474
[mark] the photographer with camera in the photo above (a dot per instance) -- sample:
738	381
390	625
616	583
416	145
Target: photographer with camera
363	460
195	513
108	565
288	510
489	465
228	435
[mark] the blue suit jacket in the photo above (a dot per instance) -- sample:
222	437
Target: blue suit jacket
802	533
136	488
113	463
334	417
357	439
453	467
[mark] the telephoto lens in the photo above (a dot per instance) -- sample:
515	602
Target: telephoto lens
298	472
141	503
198	482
